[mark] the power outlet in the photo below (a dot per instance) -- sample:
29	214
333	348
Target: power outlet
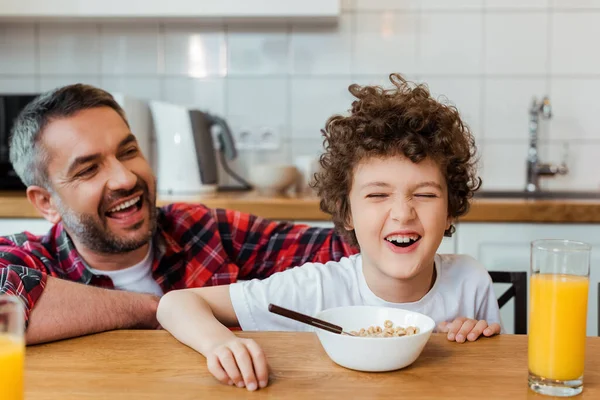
264	138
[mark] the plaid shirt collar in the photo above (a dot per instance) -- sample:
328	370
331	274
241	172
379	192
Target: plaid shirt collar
72	265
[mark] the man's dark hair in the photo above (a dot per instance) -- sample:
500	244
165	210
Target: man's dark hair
27	155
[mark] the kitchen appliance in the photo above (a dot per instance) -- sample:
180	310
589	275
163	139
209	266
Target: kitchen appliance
186	158
140	122
10	107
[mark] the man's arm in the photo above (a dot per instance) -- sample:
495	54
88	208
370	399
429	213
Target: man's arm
68	309
58	309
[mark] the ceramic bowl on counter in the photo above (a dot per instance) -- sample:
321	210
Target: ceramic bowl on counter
272	179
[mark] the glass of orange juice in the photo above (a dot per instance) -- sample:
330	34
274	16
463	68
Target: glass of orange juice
560	271
12	347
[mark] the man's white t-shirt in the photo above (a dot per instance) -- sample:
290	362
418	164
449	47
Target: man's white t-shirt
137	278
463	288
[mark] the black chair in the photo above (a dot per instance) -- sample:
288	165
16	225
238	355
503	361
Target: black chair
518	290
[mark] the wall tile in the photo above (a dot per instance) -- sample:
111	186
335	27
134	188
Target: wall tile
322	50
440	33
130	49
313	101
195	50
575	109
143	88
463	93
571	34
204	94
258	50
503	165
69	49
507	102
385	42
17	46
522	49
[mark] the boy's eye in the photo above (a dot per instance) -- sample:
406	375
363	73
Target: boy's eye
376	195
426	195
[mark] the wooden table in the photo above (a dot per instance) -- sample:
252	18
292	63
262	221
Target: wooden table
153	365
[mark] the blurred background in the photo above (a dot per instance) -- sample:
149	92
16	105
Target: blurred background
276	82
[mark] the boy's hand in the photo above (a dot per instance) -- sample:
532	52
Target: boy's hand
239	362
462	329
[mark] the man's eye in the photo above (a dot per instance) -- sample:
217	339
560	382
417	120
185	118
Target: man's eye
86	172
131	152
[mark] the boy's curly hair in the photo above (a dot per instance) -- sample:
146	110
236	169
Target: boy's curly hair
406	121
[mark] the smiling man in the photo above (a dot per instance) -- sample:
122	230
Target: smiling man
85	173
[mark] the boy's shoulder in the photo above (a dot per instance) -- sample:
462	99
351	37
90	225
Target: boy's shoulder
462	267
342	266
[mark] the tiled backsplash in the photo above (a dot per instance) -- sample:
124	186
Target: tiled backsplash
487	57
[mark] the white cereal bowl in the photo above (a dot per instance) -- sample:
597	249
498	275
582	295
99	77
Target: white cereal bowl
373	354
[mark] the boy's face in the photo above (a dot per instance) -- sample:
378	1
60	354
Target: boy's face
399	211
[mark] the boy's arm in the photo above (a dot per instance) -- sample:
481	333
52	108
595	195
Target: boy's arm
198	318
261	247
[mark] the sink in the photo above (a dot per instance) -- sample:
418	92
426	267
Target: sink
521	194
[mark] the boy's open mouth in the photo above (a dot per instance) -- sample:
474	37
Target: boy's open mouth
403	240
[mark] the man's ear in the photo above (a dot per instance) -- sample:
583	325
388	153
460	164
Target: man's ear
42	201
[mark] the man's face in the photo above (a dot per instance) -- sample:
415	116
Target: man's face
103	187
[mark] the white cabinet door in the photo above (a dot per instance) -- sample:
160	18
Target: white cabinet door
37	226
506	247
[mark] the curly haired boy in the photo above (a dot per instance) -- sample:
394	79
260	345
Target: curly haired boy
395	175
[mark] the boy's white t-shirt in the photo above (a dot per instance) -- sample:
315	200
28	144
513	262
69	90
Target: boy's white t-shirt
463	288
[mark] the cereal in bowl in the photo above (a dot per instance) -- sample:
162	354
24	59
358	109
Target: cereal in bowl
388	330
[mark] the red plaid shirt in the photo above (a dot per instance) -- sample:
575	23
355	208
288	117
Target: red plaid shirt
194	246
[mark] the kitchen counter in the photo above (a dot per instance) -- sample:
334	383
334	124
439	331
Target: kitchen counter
15	205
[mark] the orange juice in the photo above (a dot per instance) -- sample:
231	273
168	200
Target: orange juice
557	326
12	352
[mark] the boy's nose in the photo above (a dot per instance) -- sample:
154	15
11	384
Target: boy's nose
402	211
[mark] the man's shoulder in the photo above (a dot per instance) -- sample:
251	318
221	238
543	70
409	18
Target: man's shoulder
176	213
21	245
23	239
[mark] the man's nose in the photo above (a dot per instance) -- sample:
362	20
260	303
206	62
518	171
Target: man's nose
121	177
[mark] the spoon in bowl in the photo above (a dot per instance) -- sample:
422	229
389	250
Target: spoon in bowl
306	319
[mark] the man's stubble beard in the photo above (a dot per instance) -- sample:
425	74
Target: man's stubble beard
92	231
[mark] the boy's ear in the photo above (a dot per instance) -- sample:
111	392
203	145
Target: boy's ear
41	199
349	223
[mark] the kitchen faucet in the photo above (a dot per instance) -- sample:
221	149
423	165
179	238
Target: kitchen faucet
536	169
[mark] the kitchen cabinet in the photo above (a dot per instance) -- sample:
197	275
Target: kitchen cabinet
506	247
173	9
37	226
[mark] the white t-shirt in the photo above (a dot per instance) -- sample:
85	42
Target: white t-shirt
462	288
137	278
